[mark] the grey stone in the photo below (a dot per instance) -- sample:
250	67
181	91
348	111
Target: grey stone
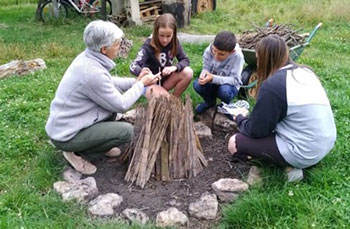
228	189
205	208
71	175
171	217
226	197
135	215
212	119
224	122
80	190
62	186
207	118
105	204
202	130
21	67
230	185
254	176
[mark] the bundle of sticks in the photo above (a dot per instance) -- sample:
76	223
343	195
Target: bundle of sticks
250	38
165	143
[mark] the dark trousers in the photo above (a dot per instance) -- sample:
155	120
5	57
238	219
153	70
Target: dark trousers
209	92
264	149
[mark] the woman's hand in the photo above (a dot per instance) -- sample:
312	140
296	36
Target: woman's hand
240	111
205	77
168	70
143	72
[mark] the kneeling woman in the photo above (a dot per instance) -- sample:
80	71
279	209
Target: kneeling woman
82	114
292	122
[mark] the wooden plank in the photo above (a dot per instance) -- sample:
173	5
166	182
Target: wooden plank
148	9
151	2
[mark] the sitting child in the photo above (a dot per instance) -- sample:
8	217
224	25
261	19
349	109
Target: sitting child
157	55
221	74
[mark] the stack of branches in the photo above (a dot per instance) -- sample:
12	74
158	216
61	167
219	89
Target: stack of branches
250	38
165	143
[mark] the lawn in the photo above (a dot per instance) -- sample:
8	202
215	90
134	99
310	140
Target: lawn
29	165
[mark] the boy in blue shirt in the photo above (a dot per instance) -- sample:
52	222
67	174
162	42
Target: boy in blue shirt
221	74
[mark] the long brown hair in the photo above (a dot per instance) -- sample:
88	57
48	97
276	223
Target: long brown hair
164	21
272	54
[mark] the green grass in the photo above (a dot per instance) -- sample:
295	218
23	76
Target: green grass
29	165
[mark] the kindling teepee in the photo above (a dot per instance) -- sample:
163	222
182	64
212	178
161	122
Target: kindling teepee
165	143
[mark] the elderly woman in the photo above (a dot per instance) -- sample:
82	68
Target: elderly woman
82	113
292	123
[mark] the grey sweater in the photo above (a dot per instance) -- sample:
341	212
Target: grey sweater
227	71
88	94
293	104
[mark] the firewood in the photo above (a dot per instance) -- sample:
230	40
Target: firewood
158	139
167	144
250	38
164	161
21	68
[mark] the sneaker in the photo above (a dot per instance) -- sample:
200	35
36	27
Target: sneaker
294	174
114	152
202	107
79	164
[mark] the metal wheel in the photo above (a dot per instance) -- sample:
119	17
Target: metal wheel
47	13
200	6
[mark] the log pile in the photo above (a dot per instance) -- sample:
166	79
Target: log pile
150	10
21	67
124	48
250	38
165	143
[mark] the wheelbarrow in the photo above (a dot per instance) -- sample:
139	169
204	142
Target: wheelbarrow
250	59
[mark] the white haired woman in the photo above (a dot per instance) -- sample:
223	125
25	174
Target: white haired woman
82	113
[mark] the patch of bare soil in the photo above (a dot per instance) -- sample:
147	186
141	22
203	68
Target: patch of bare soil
158	196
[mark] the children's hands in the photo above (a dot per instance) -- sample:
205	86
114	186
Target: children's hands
205	77
144	72
168	70
150	79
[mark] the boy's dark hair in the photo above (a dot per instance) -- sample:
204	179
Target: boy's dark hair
225	41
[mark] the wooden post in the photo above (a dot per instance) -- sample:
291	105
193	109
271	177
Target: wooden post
103	10
134	12
181	9
117	7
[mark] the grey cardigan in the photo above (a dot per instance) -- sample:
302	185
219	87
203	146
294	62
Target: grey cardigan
88	94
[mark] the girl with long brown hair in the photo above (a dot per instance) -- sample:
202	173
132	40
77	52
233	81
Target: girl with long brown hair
292	123
157	55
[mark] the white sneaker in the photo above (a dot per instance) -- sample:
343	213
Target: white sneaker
114	152
294	174
79	164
